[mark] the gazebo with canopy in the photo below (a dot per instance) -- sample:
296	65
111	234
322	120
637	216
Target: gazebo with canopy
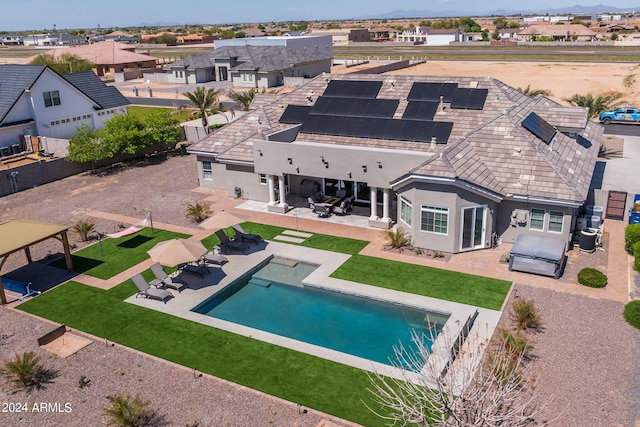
21	234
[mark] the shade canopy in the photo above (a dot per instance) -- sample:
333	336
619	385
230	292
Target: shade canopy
177	251
222	219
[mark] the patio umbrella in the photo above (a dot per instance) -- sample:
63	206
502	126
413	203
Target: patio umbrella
176	251
222	219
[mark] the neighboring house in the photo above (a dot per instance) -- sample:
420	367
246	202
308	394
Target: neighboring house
249	66
382	34
35	100
109	57
57	39
414	35
561	33
322	44
196	38
459	161
11	39
357	35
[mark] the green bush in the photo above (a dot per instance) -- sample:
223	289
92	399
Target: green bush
592	278
24	369
127	411
636	254
632	313
398	237
631	237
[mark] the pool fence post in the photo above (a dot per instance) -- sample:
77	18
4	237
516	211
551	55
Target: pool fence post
151	221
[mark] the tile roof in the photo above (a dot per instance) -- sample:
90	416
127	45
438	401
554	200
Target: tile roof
91	85
14	80
488	148
104	53
267	58
557	30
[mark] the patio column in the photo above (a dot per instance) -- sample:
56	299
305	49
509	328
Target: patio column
272	196
374	203
385	205
282	191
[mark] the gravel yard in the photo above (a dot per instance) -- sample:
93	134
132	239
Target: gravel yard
586	356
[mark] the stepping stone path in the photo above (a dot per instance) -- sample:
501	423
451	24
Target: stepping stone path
292	236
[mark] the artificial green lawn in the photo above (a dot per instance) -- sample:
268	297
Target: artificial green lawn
301	378
311	381
117	254
142	112
432	282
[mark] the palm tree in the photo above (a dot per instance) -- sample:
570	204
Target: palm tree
128	411
245	98
533	92
596	104
198	212
204	100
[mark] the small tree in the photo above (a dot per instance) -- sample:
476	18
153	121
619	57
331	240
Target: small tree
83	228
631	237
127	411
86	145
203	100
198	212
245	98
533	92
484	384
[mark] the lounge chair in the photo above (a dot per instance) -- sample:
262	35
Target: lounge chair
163	280
312	202
147	291
231	244
199	269
215	259
246	236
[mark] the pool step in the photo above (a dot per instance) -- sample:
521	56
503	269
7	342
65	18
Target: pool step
284	261
259	282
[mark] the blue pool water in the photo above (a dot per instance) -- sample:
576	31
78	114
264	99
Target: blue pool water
273	299
14	285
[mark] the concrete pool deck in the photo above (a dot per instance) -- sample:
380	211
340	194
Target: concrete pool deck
201	289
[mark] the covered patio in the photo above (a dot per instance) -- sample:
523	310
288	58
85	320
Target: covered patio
21	234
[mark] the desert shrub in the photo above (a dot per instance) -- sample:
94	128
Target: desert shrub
636	254
592	278
516	343
525	314
83	228
127	411
24	369
631	237
198	212
398	237
631	313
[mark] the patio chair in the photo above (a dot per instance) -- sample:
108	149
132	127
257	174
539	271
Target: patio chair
341	193
322	211
243	235
215	259
199	269
230	244
147	291
312	202
163	280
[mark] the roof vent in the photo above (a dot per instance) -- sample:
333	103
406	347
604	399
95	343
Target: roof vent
434	143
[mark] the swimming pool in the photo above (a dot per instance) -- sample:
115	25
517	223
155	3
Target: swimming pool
273	298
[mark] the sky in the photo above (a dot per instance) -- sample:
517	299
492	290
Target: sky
44	14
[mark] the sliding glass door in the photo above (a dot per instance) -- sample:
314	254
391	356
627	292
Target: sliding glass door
473	227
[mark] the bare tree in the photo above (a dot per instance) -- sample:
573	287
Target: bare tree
485	384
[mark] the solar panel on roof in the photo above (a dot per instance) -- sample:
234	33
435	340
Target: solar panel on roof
468	98
353	89
356	107
368	127
424	91
539	127
295	114
421	110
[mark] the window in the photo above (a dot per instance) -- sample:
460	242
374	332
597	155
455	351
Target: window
555	221
434	219
207	173
537	219
263	179
405	210
51	98
247	77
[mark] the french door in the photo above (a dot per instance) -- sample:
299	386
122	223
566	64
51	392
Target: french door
473	227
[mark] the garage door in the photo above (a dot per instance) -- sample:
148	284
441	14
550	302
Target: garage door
616	204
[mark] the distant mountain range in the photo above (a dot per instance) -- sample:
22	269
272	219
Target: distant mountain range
577	9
